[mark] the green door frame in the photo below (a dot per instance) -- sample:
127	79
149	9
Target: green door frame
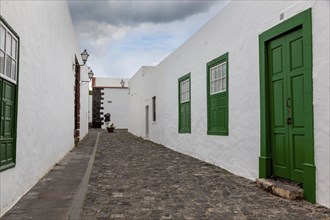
302	20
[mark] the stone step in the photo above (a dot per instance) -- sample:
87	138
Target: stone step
281	189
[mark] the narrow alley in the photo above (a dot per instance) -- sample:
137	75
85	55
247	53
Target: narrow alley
136	179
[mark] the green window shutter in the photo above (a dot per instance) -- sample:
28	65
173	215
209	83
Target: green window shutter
217	96
7	123
184	99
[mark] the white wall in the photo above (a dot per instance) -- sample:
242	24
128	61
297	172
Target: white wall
84	102
235	30
48	48
321	99
115	102
108	82
138	99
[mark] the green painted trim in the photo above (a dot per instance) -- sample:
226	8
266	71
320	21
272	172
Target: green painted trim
7	166
302	20
265	164
309	182
180	130
213	62
16	93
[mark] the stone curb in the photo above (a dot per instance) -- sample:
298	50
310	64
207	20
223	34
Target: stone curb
76	209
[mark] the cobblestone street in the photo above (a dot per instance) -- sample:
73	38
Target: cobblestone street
136	179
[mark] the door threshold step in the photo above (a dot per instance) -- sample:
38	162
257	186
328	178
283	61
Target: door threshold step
281	189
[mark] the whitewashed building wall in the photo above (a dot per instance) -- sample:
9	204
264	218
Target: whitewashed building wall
48	47
235	30
115	102
84	103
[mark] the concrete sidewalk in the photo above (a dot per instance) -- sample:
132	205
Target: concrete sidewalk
59	194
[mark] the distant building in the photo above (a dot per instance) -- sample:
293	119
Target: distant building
249	92
110	96
43	102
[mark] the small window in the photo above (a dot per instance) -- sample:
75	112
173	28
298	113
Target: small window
8	54
218	78
184	91
217	96
184	104
154	108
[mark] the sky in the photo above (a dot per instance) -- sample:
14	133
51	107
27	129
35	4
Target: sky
123	35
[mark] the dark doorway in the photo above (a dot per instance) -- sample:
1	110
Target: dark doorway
77	103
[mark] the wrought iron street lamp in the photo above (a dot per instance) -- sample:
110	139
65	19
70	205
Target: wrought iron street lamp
90	76
84	56
122	83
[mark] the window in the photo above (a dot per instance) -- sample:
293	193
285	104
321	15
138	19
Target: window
8	94
8	54
184	104
184	91
154	109
218	78
217	96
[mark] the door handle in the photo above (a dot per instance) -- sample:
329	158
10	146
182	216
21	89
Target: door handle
288	105
289	121
288	102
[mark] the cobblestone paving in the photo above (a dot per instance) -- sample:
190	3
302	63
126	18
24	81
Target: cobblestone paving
137	179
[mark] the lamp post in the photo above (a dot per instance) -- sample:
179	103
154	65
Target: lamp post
90	76
122	83
84	56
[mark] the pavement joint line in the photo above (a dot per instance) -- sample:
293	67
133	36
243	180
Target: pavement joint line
76	209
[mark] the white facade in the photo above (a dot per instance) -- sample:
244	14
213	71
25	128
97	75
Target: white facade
235	30
114	100
109	82
48	48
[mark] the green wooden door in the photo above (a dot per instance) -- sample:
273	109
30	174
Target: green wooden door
7	122
286	69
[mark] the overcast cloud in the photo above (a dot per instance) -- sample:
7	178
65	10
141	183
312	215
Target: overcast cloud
135	12
121	36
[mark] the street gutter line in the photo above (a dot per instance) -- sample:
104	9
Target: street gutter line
78	202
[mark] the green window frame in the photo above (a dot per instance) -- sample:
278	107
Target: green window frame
9	68
184	102
217	95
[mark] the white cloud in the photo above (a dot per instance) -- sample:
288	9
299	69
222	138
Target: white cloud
120	45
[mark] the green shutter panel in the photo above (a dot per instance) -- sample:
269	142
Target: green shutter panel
186	117
7	126
218	112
